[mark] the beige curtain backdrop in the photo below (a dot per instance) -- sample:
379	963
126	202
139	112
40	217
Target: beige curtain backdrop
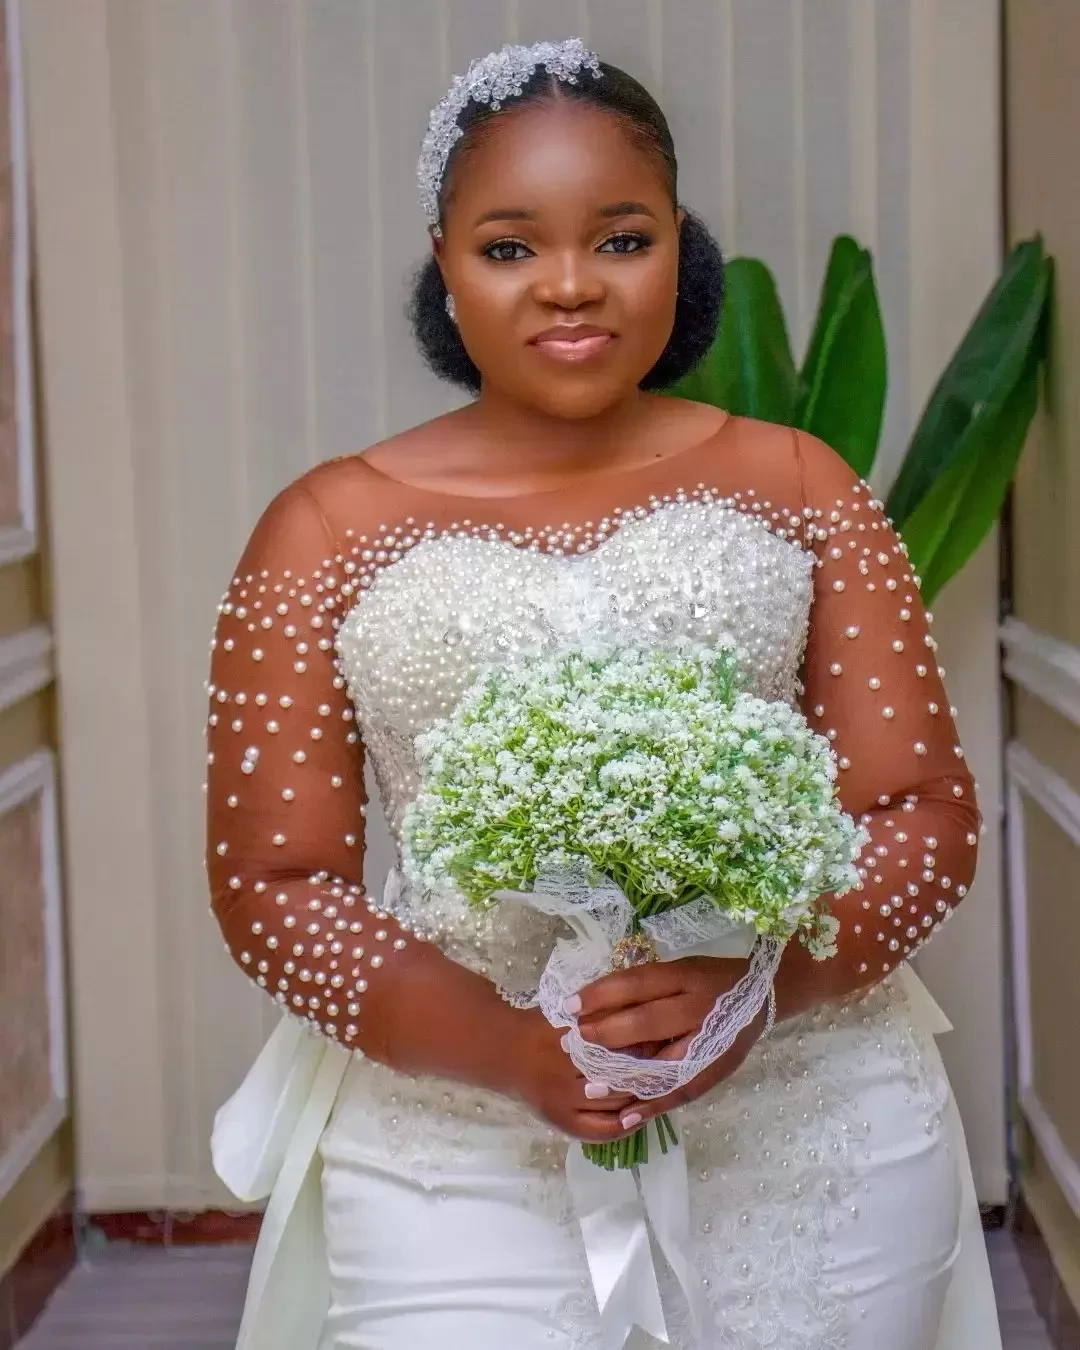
226	221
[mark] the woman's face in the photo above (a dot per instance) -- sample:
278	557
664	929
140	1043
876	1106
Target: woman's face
561	250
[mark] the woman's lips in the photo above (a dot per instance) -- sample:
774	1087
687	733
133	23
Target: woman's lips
573	344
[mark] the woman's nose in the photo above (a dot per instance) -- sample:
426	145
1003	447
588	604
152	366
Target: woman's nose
569	281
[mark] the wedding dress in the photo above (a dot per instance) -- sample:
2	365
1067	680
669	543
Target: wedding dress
830	1194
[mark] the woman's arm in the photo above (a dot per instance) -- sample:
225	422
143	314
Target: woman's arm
285	844
285	818
873	686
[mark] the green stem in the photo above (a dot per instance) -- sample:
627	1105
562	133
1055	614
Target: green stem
633	1149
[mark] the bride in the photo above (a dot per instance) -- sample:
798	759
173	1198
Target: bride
415	1152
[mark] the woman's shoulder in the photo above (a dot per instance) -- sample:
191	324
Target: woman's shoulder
784	463
353	495
777	444
768	461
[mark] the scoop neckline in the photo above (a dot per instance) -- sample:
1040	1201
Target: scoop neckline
580	485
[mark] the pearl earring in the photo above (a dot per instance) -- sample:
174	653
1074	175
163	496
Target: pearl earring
451	308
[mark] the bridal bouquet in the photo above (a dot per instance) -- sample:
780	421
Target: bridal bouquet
653	770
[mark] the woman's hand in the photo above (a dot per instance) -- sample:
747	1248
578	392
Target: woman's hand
546	1079
655	1011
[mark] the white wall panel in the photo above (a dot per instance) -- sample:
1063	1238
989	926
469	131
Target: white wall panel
270	153
549	22
464	19
695	69
623	33
891	117
766	142
345	318
406	42
828	112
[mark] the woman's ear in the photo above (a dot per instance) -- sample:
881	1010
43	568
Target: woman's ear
680	216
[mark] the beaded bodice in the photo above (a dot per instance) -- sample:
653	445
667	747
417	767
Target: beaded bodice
699	569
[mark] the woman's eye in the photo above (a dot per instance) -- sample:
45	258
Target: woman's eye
625	243
508	250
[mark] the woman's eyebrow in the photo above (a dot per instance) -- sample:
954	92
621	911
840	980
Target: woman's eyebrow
626	209
611	212
504	213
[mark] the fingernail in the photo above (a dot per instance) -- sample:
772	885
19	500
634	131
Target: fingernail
565	1042
596	1089
632	1121
572	1006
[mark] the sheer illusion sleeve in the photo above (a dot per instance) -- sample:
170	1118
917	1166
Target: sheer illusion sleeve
874	688
285	779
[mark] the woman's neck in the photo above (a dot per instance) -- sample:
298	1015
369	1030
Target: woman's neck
526	443
496	448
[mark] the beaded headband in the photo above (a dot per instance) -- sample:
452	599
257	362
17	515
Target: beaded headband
491	79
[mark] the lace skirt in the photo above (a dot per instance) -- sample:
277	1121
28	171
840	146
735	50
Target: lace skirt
831	1204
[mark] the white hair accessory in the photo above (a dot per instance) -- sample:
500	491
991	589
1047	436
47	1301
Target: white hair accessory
491	79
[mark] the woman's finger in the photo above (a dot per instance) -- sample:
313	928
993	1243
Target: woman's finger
602	1098
637	1113
704	1082
663	1020
659	979
676	1048
596	1127
626	988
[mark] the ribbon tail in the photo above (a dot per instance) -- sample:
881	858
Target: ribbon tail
612	1216
928	1014
665	1191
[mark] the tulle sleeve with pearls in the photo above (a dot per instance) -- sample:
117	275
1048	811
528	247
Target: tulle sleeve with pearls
285	786
874	687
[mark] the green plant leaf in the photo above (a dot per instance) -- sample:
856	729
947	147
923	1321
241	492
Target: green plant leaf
958	511
987	365
844	378
749	369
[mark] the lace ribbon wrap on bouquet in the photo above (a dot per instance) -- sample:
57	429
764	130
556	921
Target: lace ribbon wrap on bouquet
600	917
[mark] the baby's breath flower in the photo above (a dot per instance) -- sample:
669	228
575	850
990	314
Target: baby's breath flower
654	765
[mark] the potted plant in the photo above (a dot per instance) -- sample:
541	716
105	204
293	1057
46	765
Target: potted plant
963	454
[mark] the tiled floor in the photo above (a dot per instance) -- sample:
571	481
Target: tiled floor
182	1298
1021	1326
189	1299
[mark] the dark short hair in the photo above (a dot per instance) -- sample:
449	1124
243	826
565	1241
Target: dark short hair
701	266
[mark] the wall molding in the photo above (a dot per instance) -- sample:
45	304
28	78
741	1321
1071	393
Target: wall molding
1064	1166
20	540
36	777
26	664
1043	666
1059	799
1027	779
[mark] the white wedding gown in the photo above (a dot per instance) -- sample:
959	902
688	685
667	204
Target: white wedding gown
831	1201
